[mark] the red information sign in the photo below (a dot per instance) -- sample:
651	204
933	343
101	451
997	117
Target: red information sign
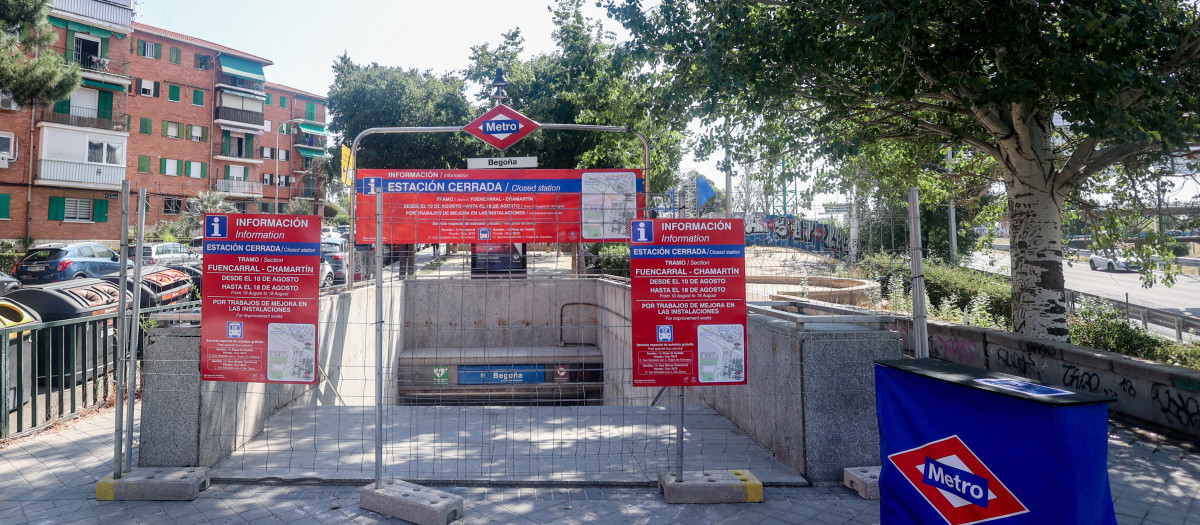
497	206
261	282
689	302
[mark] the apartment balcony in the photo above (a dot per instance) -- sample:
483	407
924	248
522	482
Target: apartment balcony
239	82
240	116
240	188
115	12
79	175
89	62
87	118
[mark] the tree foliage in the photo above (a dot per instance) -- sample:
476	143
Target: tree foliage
588	81
29	70
1056	93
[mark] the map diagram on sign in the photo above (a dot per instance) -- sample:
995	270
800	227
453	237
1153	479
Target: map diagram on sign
721	353
608	202
291	352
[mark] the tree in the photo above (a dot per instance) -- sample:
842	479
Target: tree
369	96
1055	92
29	69
586	82
298	207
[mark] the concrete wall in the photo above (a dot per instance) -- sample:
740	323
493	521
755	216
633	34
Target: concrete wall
1161	394
187	422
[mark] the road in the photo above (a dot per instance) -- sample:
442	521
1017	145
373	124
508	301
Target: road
1183	297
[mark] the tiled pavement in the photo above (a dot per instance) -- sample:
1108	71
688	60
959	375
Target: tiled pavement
50	478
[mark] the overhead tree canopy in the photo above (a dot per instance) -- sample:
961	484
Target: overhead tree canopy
28	70
1056	92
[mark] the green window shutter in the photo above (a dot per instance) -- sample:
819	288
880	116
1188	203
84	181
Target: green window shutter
179	167
4	200
147	126
143	164
58	209
176	54
104	104
63	107
263	207
164	128
204	134
249	146
187	168
310	111
157	51
104	47
268	99
187	132
282	101
225	142
162	164
155	89
70	45
198	97
173	93
141	50
100	210
226	171
204	170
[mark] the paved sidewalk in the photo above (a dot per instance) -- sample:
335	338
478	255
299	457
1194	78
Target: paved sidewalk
50	478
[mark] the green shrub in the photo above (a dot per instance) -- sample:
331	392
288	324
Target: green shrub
613	260
1101	326
979	298
7	260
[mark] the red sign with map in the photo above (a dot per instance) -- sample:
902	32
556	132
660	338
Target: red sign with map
689	302
261	287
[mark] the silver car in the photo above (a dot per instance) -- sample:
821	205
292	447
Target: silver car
1111	260
166	254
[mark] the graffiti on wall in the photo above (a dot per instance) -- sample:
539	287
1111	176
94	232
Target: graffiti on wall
785	230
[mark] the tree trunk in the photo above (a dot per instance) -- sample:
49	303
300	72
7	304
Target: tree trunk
1035	247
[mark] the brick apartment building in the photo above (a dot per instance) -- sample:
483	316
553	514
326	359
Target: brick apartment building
171	113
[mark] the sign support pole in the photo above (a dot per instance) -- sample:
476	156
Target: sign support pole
378	340
134	346
679	441
122	334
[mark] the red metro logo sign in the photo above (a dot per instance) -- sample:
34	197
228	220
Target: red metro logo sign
501	127
956	482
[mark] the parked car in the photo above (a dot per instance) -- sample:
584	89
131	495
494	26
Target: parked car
334	251
344	230
1111	260
326	274
8	283
166	254
330	232
49	263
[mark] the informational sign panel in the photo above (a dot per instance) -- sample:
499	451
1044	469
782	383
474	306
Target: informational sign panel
689	302
518	205
261	287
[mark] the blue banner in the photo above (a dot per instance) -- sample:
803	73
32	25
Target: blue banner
958	451
261	248
675	251
491	375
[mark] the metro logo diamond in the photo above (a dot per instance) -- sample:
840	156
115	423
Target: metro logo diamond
956	483
501	127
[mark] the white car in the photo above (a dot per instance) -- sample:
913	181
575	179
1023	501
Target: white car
326	274
1111	260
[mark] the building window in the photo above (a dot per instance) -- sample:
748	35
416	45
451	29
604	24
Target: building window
266	179
77	210
143	164
235	172
268	153
176	55
170	129
310	111
8	145
198	97
172	206
268	99
264	207
284	154
105	152
196	170
147	88
201	61
149	49
199	133
241	206
173	93
170	166
282	101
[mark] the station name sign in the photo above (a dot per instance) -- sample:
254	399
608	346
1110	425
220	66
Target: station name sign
502	162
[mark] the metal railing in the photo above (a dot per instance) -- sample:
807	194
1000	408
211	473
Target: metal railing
231	80
96	63
55	370
80	174
1181	323
241	187
244	116
88	118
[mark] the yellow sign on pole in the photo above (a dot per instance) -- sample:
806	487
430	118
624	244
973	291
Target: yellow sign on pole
347	162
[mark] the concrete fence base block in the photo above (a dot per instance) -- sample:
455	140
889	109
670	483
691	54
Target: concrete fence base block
154	484
711	486
863	480
414	503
